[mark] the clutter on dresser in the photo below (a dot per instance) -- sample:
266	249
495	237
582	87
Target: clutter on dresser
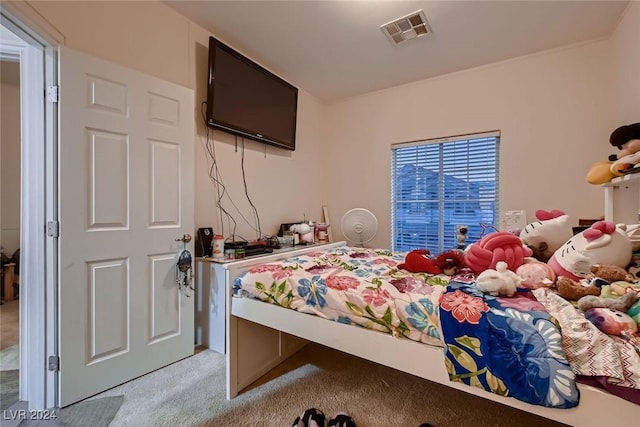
303	233
321	232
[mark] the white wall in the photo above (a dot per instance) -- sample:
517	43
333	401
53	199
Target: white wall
10	156
553	111
625	65
150	37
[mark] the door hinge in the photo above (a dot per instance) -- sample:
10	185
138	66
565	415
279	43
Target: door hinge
53	229
54	363
52	93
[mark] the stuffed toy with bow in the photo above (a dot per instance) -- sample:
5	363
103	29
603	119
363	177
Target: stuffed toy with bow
602	243
547	234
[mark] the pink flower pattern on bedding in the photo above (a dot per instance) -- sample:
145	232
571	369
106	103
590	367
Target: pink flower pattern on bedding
463	307
355	286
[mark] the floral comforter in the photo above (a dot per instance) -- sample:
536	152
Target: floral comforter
509	346
353	286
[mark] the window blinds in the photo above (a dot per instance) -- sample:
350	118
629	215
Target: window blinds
437	185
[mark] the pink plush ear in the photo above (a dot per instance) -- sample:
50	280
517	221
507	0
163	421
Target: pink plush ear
543	215
598	229
607	227
557	213
592	234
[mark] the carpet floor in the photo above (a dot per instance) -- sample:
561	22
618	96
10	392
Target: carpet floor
192	393
94	413
9	388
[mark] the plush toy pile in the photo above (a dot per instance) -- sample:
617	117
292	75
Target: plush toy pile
591	269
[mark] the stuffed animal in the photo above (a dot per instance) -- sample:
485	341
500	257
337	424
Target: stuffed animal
600	173
622	303
450	262
495	247
498	282
612	322
547	234
634	312
610	273
624	164
573	290
602	243
419	261
627	140
535	274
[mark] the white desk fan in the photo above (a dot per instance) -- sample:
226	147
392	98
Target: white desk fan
359	226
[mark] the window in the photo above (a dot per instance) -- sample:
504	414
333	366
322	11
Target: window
437	185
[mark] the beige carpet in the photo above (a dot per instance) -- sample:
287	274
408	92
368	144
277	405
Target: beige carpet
93	413
192	393
9	388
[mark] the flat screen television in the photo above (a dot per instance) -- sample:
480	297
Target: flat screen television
245	99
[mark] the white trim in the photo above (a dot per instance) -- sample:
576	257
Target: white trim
51	212
37	156
27	19
494	133
32	298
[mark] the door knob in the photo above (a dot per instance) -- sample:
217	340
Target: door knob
186	238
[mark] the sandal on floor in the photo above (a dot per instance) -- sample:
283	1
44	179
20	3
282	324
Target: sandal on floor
312	417
341	420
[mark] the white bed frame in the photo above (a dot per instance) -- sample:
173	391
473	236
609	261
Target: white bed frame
260	336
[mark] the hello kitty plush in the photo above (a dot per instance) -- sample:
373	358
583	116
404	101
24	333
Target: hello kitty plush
602	243
547	234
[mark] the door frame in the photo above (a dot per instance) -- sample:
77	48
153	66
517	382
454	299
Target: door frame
38	253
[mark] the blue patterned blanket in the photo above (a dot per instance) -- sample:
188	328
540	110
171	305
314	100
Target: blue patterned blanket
508	346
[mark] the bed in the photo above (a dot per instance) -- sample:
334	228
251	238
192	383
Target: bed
260	334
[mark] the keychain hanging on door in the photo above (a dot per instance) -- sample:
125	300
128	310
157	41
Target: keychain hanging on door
183	270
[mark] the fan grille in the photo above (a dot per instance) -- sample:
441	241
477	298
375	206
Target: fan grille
359	225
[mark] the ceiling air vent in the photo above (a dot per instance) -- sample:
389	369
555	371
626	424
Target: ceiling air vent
406	28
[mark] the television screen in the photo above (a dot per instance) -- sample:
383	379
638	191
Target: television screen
245	99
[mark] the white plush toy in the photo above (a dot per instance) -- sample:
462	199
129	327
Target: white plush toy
602	243
547	234
498	282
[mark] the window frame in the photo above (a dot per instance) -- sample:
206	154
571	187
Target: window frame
486	181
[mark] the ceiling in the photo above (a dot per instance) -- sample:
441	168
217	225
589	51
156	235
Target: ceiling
334	49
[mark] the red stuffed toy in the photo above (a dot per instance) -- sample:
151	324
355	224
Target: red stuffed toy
450	262
418	261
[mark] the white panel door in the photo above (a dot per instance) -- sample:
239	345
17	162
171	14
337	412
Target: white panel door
125	196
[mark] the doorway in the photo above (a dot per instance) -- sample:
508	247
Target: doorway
33	178
10	162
